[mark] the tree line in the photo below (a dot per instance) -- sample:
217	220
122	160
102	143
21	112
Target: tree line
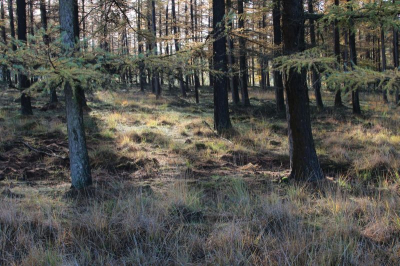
288	46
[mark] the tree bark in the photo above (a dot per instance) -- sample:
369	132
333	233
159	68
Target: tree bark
244	74
316	79
231	60
4	70
278	84
26	106
155	82
383	55
338	95
353	57
175	28
396	60
303	157
79	159
222	121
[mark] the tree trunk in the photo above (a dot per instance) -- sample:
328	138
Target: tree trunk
4	69
383	52
396	60
26	106
338	95
303	157
142	74
156	87
12	32
222	121
244	74
353	57
231	59
43	20
279	94
316	79
175	28
78	155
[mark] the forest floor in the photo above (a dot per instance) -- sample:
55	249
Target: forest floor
169	191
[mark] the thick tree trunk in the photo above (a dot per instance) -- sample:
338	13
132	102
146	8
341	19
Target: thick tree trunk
222	121
278	84
244	74
303	157
26	107
79	159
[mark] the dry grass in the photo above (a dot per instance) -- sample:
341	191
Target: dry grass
168	191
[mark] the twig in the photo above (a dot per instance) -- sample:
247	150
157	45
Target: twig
43	152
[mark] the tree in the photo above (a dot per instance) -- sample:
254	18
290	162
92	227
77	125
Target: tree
79	158
4	70
353	60
279	94
316	79
303	157
222	122
26	106
244	75
396	60
175	28
233	78
43	19
338	95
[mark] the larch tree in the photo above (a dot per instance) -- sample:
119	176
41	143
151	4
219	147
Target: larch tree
78	154
315	76
26	106
303	157
278	84
222	122
336	38
243	74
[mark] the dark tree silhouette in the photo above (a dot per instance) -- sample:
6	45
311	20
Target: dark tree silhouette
222	121
303	157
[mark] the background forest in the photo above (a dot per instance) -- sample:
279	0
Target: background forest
196	132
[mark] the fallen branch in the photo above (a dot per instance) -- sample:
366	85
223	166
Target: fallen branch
42	152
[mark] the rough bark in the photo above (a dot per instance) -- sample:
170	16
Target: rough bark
303	157
222	121
78	155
